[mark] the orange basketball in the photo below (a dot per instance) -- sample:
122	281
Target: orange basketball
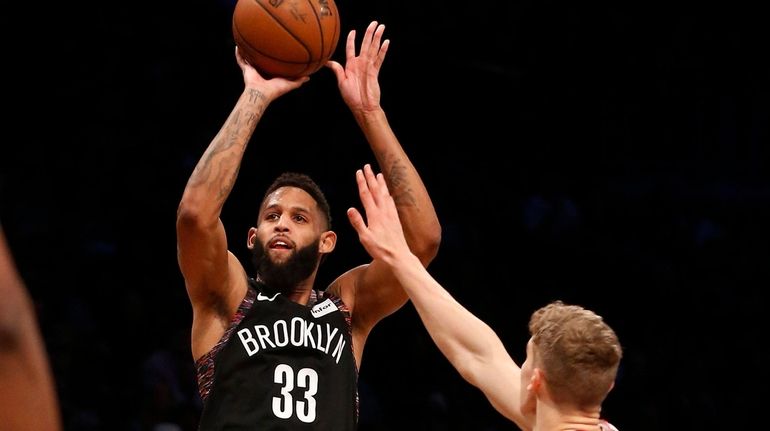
286	38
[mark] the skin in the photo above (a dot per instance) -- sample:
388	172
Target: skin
215	279
472	347
28	398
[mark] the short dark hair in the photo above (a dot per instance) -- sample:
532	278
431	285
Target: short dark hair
304	182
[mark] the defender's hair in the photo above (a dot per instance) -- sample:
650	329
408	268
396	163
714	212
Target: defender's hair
578	352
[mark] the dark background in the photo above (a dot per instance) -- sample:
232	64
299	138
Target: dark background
611	154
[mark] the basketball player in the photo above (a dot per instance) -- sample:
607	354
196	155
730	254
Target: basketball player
572	354
28	398
273	351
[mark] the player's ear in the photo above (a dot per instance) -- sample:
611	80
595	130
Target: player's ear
536	381
251	239
328	242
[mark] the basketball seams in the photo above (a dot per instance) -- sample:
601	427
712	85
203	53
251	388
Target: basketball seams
320	28
287	30
264	27
245	42
335	37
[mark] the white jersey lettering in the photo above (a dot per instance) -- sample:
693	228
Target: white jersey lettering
298	332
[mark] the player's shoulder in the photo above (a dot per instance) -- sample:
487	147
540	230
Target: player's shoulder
345	285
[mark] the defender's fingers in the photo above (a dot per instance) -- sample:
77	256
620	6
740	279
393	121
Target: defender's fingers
375	189
366	42
363	191
350	46
377	37
357	221
381	55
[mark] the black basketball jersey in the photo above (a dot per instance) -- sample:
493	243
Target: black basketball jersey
281	366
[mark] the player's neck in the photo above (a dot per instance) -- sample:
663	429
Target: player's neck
301	292
551	417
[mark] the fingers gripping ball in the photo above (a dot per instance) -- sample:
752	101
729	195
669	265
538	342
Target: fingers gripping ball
286	38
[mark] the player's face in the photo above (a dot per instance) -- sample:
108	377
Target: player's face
286	244
285	275
289	220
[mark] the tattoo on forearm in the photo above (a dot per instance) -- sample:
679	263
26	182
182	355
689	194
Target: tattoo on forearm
228	183
219	166
398	184
256	96
213	172
252	118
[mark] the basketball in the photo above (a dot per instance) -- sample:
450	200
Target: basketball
286	38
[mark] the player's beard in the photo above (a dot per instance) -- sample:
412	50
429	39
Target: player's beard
284	276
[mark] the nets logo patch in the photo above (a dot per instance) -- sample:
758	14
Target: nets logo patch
323	308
